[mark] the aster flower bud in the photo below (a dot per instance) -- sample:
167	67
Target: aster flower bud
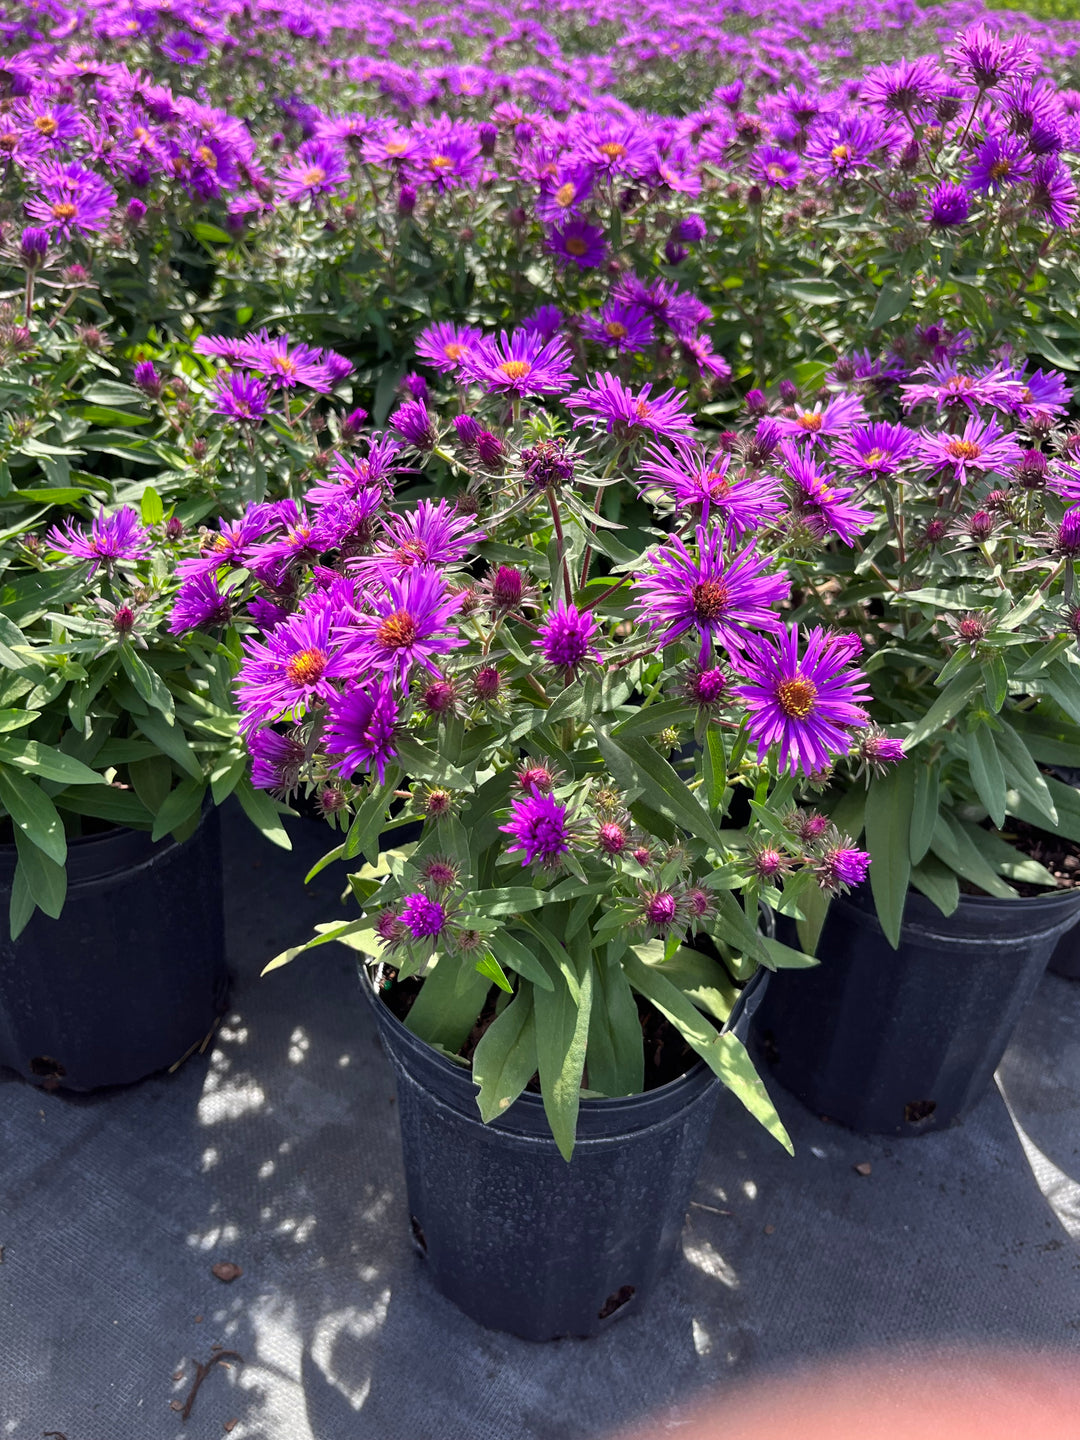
487	682
415	386
789	392
754	196
406	201
841	867
174	528
331	800
980	525
755	402
612	838
674	253
33	243
414	424
440	698
467	431
135	213
547	465
1067	540
147	378
691	229
353	423
490	450
489	136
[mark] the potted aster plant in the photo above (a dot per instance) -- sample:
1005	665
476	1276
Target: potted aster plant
118	727
962	589
569	705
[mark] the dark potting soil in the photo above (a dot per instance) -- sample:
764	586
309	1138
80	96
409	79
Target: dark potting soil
667	1055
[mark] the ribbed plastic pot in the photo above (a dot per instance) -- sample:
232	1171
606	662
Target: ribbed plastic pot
899	1042
131	976
522	1240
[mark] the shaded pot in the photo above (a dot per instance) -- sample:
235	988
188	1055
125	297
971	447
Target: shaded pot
132	975
519	1238
1065	960
898	1042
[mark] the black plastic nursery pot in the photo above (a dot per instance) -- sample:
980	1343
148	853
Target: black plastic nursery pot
517	1237
1065	960
132	975
899	1042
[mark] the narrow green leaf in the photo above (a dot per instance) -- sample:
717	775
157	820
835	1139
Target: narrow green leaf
263	814
488	966
892	301
152	779
814	904
47	762
616	1054
889	807
519	957
562	1030
924	810
505	1058
448	1004
715	767
636	766
45	879
954	845
148	683
938	883
987	774
178	807
1022	772
170	739
947	705
151	510
33	813
995	680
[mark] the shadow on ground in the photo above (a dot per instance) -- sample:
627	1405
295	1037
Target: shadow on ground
278	1151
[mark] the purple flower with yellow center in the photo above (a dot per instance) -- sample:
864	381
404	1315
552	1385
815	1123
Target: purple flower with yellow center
432	535
199	605
445	345
722	600
362	475
411	624
819	503
580	243
319	168
240	397
846	145
775	168
1042	394
277	762
877	450
229	545
566	637
949	388
704	486
520	364
73	199
541	830
626	328
983	446
610	403
835	417
563	193
949	205
183	48
361	725
424	918
111	538
999	161
447	157
298	664
286	366
806	704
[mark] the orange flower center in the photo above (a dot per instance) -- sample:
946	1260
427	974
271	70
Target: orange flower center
576	246
397	631
515	369
440	162
207	157
641	410
840	153
315	176
305	667
63	211
1000	169
810	420
796	697
710	598
453	351
964	449
564	195
960	383
875	457
395	147
284	365
615	331
612	149
411	552
45	125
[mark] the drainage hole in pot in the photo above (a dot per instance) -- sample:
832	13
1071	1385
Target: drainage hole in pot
916	1111
46	1066
418	1234
616	1301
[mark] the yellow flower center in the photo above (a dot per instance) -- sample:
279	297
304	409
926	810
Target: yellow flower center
641	410
615	331
206	157
45	125
283	364
63	210
564	195
315	176
515	369
453	351
840	153
796	697
612	150
397	631
305	667
810	420
964	449
440	162
874	457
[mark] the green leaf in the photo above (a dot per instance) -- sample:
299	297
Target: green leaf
889	807
148	683
185	801
954	845
562	1030
510	951
657	717
105	802
171	741
938	883
812	292
152	779
263	814
814	904
487	965
987	774
569	703
1066	803
16	719
995	680
785	958
891	304
924	810
507	900
947	705
21	906
45	879
715	767
448	1004
151	510
228	773
616	1053
110	392
505	1058
33	813
636	766
701	978
1022	772
48	762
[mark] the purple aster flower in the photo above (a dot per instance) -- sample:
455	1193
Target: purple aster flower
563	193
1053	192
836	417
876	450
183	48
691	229
277	761
704	485
611	403
444	346
119	536
820	504
949	388
146	377
520	364
775	168
447	157
807	705
846	145
232	542
239	396
999	161
73	199
413	423
1043	394
541	830
424	918
723	601
362	476
565	637
432	535
579	242
199	605
411	623
266	615
319	168
298	664
627	328
294	544
841	867
33	243
286	366
983	446
985	58
233	349
908	87
360	729
546	322
949	205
